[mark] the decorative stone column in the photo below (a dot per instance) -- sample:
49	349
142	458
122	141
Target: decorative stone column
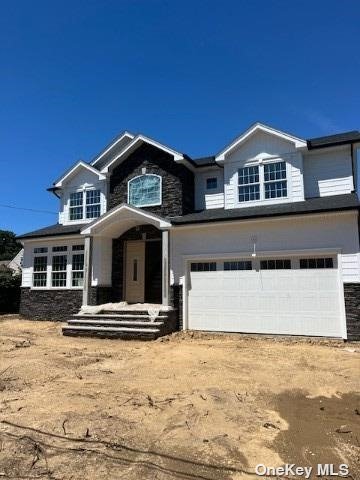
165	267
87	270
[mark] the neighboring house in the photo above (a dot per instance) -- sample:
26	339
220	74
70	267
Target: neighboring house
15	264
261	238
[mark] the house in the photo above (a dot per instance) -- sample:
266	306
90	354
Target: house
14	265
261	238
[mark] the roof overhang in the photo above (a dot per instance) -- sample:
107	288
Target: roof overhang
258	127
119	139
136	143
120	219
75	169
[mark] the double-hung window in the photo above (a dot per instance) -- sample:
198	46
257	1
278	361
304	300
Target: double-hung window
85	204
77	279
275	183
249	184
39	274
58	275
262	182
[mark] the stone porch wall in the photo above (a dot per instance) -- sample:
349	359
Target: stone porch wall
56	305
352	308
176	301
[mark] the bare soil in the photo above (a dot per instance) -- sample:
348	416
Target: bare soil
187	406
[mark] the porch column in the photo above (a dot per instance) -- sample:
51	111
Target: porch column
87	270
165	267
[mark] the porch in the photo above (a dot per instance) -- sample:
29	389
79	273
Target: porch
126	274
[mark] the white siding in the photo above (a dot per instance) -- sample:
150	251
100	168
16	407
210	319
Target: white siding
328	173
263	147
309	232
205	199
83	179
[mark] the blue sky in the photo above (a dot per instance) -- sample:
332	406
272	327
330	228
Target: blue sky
192	74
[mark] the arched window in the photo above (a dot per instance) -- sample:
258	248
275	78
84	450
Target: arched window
144	191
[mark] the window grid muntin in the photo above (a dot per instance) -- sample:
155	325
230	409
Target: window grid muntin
249	184
60	248
276	264
203	267
58	272
76	248
85	204
144	190
311	263
211	183
40	250
237	265
40	264
77	270
276	189
275	183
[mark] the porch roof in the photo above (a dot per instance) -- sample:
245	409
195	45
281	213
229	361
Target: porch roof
121	218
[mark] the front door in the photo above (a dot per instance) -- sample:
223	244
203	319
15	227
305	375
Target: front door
135	271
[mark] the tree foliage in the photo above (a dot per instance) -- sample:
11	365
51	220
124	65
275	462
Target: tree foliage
9	291
9	246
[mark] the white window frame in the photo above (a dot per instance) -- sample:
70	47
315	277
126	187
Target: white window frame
49	270
148	204
261	163
84	204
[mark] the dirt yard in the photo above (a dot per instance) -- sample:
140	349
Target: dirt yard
182	407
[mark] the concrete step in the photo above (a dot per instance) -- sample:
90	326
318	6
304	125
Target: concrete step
115	323
126	333
119	316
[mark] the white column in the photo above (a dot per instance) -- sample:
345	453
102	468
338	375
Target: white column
165	267
87	270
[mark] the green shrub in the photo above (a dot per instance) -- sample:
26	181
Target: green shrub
9	291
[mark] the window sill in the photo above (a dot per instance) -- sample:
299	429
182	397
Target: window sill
56	288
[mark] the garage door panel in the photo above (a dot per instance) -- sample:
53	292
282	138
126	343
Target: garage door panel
288	302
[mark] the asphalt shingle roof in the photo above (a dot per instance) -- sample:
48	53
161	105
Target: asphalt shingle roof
312	205
333	140
53	230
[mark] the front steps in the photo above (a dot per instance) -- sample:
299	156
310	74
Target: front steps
124	324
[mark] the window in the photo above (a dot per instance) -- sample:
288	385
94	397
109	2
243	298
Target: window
211	183
92	203
238	265
144	191
249	184
85	204
275	180
316	263
62	248
39	275
203	267
58	276
40	250
280	264
77	270
77	248
76	206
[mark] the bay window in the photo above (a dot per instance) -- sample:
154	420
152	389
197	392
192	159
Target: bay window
262	182
39	273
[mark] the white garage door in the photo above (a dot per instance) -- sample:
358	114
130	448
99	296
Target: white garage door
289	296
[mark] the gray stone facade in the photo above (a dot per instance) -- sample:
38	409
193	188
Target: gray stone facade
176	301
352	308
177	181
55	305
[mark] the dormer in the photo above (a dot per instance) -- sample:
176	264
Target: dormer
82	191
262	166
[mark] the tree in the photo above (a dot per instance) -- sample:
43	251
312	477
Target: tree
9	246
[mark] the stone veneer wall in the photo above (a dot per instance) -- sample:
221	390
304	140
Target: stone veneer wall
177	181
56	305
176	301
352	308
99	295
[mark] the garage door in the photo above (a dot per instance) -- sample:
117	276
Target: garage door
289	296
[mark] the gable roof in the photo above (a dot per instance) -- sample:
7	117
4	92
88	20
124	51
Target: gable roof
112	149
258	127
334	140
78	166
135	143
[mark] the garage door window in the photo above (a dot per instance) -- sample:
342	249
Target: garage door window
203	267
238	265
316	263
279	264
